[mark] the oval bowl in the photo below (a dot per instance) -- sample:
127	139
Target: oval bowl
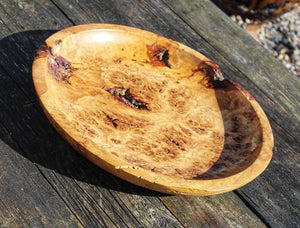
150	110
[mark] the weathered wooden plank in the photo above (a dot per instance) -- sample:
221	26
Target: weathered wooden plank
275	194
26	197
96	196
93	12
26	15
93	205
211	211
139	199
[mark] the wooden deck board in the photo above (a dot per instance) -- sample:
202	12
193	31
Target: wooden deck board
27	199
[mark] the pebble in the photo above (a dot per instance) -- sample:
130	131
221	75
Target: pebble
281	37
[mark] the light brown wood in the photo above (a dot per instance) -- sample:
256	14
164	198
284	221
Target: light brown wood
150	110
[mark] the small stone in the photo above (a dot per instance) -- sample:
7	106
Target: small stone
281	37
269	44
278	37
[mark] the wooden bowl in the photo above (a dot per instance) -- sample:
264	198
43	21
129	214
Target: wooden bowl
151	110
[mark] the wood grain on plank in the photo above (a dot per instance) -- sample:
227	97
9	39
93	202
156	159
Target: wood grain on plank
203	211
147	216
277	200
27	199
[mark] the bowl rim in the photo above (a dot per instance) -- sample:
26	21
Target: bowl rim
152	180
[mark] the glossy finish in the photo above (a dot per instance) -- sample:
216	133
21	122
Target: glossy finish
174	127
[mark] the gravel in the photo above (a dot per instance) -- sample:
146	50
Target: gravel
281	37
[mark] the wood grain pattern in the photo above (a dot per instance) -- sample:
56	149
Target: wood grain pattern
102	91
203	212
25	128
29	199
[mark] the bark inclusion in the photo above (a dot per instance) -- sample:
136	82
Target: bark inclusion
59	68
125	96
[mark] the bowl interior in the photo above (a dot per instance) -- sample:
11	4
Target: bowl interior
147	122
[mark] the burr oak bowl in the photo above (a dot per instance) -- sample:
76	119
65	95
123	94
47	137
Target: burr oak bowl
150	110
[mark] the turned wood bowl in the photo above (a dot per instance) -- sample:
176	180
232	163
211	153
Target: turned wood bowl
150	110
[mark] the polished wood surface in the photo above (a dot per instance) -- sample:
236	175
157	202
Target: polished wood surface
151	110
45	182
